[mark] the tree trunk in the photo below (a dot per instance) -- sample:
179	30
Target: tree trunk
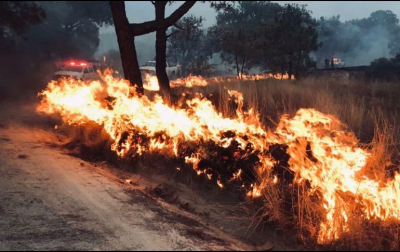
126	43
237	67
290	72
242	67
126	39
161	49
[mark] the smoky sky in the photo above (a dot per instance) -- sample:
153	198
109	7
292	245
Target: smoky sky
141	11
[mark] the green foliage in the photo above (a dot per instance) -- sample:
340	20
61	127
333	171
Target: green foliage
201	67
264	34
292	37
235	36
386	69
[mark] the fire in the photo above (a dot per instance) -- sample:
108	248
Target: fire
190	81
151	82
277	76
321	151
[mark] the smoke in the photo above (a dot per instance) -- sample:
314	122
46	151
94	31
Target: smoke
358	42
367	48
145	46
376	46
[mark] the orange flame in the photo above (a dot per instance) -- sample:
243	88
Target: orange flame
277	76
151	82
321	151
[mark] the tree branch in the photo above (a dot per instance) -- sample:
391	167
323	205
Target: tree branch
173	33
179	27
156	25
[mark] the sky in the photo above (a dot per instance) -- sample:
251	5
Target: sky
141	11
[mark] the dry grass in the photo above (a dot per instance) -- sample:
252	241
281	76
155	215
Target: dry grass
370	110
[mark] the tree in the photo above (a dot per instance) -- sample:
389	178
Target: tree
236	33
16	18
386	69
161	24
295	36
126	42
277	38
386	18
161	48
186	46
127	32
71	29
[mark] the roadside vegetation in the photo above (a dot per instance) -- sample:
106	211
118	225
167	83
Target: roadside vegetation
370	110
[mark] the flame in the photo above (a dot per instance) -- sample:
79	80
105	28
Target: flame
321	151
151	82
255	77
190	81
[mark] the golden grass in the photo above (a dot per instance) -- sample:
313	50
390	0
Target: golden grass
370	110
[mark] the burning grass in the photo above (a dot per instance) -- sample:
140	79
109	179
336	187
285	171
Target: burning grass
304	169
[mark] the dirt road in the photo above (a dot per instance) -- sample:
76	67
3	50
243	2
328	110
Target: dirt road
52	201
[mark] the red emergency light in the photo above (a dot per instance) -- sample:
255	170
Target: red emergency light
73	63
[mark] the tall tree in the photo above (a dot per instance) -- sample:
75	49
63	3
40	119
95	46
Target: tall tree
126	42
295	35
126	38
161	41
187	44
161	48
236	33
